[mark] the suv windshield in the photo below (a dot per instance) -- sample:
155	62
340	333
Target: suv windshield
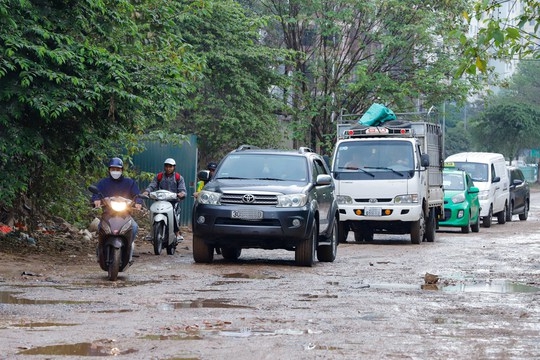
263	166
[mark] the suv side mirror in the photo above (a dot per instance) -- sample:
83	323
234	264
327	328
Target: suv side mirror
324	179
496	179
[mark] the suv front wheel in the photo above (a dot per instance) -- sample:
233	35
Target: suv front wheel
202	253
305	251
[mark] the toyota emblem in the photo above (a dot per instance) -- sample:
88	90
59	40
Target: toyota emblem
248	199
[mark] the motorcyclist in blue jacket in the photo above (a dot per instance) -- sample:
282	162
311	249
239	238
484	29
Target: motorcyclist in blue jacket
116	184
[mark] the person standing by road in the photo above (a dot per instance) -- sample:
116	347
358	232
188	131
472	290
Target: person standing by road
172	181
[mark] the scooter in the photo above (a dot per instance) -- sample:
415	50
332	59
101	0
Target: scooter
114	235
162	215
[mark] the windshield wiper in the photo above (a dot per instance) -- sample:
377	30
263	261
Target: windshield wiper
268	178
356	168
231	178
385	168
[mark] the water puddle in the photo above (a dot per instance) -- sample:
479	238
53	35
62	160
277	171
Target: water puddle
80	349
9	297
250	276
492	286
201	303
41	325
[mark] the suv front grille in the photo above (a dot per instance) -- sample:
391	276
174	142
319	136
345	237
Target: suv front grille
259	199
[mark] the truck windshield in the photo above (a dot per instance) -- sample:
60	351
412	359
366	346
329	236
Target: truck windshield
374	159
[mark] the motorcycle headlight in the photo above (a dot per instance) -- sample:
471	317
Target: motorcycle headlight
209	198
292	200
118	205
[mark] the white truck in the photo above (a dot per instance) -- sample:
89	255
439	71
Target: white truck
389	179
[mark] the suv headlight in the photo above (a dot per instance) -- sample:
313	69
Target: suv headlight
209	198
406	199
293	200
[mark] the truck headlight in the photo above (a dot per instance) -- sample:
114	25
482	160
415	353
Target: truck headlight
292	200
459	198
344	200
406	199
209	198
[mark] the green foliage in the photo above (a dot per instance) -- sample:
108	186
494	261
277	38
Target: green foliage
232	104
352	53
78	81
500	37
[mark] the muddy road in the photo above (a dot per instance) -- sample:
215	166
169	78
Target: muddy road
371	303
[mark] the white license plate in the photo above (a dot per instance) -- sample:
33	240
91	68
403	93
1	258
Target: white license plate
373	211
247	214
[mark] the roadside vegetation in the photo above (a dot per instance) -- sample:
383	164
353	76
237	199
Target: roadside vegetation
81	81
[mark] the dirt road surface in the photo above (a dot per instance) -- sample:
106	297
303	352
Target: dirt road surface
371	303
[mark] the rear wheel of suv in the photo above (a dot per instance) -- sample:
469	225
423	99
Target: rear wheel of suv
525	213
305	251
231	253
327	253
202	253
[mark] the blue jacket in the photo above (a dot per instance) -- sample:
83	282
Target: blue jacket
123	186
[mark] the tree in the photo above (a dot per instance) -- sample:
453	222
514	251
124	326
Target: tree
349	54
511	121
233	103
77	80
500	38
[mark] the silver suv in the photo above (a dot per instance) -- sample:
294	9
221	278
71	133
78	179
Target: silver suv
267	199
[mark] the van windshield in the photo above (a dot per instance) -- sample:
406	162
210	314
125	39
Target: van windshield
478	171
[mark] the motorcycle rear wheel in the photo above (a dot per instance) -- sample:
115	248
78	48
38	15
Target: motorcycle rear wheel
114	264
159	237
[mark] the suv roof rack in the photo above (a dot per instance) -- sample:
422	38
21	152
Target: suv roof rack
246	147
304	149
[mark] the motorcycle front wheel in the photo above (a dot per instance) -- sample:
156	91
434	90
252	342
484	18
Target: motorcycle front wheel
159	237
114	263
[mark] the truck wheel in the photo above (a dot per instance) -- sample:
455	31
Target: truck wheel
486	220
501	215
430	227
418	229
327	253
202	253
343	232
305	251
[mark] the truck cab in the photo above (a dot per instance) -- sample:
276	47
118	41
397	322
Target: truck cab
389	180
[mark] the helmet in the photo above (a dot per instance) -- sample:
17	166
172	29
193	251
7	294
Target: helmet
170	161
211	166
116	162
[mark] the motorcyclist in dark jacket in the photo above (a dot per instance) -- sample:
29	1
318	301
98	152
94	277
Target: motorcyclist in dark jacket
172	181
116	184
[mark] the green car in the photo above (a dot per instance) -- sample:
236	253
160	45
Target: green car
461	204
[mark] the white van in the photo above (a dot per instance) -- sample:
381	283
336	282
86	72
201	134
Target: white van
489	174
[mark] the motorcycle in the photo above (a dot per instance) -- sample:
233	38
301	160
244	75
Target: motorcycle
114	234
162	215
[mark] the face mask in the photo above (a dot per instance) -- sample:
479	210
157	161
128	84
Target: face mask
116	174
